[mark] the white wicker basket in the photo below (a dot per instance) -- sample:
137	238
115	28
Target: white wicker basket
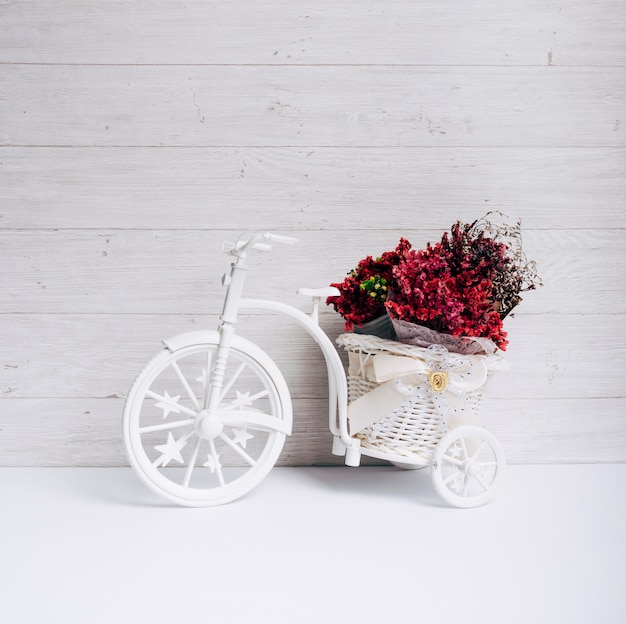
413	429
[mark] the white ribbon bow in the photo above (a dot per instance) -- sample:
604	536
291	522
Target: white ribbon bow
447	378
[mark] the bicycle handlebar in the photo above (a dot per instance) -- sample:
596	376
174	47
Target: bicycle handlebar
257	243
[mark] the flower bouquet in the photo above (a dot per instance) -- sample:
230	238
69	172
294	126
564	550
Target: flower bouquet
456	292
441	310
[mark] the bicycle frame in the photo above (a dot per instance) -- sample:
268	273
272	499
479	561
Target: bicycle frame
234	302
337	384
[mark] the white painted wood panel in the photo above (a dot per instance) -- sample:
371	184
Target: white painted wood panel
136	136
317	188
87	432
398	32
312	106
72	356
179	271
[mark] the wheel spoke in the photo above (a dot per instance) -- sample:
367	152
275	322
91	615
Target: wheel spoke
480	448
238	450
218	466
465	485
453	461
186	386
488	464
482	484
192	463
232	380
166	426
245	399
451	477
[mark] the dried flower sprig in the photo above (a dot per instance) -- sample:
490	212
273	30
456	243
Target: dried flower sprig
520	274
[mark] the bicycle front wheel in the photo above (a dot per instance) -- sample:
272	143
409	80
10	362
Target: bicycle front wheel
196	458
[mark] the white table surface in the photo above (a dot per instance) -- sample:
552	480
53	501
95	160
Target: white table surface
373	544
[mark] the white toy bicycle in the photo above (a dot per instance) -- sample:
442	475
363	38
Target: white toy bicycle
206	419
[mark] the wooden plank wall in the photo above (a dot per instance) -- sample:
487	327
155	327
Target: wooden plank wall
136	136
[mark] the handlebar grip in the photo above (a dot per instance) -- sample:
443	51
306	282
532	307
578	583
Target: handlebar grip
261	247
279	238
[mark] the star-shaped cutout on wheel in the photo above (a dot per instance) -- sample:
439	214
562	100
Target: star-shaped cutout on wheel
212	463
457	483
241	436
243	399
171	450
455	451
169	404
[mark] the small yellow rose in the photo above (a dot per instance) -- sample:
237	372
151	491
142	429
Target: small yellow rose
438	380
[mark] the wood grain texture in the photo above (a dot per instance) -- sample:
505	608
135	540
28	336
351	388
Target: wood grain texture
396	32
97	356
136	136
317	188
179	271
312	106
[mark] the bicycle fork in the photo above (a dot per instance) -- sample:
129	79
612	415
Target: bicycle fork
234	282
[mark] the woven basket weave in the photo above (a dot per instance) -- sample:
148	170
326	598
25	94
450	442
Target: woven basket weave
413	430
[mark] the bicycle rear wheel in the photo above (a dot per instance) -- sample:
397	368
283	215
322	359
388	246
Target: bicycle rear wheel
467	465
196	458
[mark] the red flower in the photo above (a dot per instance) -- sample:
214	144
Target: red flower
364	291
448	287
